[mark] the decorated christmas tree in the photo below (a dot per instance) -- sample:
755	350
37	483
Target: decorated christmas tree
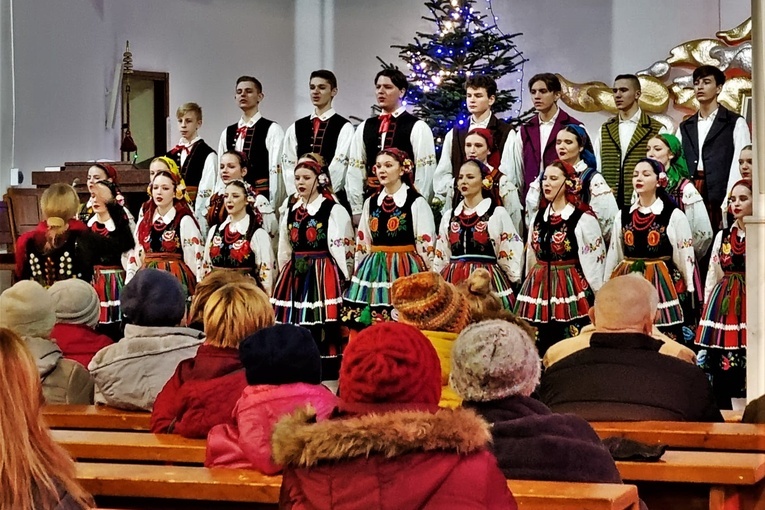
465	42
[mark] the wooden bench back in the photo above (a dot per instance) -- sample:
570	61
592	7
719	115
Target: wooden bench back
237	485
95	418
697	436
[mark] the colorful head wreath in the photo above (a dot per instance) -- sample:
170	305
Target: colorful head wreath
175	175
401	156
486	135
486	178
249	191
116	193
658	168
572	186
678	168
584	141
324	183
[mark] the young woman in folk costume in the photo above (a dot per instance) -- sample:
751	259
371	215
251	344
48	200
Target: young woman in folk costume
573	147
62	247
479	233
97	173
396	238
479	144
240	243
652	237
564	260
315	261
234	165
167	235
722	329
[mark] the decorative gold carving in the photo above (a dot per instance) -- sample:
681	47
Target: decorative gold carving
731	52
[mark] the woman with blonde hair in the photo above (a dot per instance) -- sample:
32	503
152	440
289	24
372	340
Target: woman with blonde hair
62	247
207	288
35	472
483	303
204	389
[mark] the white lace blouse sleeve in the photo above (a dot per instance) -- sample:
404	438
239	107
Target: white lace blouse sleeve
698	219
191	243
338	167
363	235
715	272
340	239
443	180
274	141
615	249
424	230
357	170
289	160
592	250
260	244
603	204
443	247
284	252
679	234
508	246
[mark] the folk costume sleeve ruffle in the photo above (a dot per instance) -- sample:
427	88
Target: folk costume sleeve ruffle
354	177
592	250
698	219
191	244
340	239
424	158
715	272
508	245
424	230
679	234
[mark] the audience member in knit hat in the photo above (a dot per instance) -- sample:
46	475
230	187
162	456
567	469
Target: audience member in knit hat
435	307
388	422
28	309
283	367
130	373
77	310
204	389
495	368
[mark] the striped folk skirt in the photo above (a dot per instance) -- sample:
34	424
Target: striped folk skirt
556	291
173	263
371	284
657	272
460	268
723	321
108	282
308	290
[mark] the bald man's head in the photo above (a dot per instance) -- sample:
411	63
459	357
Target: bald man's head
625	303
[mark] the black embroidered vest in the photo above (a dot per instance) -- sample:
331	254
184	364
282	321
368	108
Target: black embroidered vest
310	233
325	142
389	224
554	240
192	168
256	151
469	235
644	236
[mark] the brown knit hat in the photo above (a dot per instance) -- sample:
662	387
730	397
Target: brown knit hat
428	302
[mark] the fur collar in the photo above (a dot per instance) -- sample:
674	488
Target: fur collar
299	441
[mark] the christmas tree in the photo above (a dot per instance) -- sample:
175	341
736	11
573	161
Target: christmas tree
464	44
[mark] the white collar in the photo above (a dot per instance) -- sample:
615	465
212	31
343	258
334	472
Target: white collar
480	209
109	225
186	143
311	207
565	213
167	218
711	115
401	109
656	207
580	166
552	120
324	116
480	124
634	119
239	227
399	197
250	122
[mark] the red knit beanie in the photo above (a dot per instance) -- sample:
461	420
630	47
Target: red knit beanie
390	363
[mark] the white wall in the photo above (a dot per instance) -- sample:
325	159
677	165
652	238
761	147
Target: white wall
66	52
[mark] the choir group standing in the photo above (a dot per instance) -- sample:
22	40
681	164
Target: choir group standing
283	208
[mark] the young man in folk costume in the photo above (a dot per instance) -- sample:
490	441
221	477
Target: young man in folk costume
481	92
712	140
393	128
197	161
323	132
623	139
258	138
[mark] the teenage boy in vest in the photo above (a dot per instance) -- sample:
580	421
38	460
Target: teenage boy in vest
712	140
197	160
622	140
480	92
258	138
394	127
324	132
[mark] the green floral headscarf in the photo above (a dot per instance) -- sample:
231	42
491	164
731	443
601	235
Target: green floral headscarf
678	168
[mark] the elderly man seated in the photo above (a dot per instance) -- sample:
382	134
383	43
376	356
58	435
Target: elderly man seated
622	375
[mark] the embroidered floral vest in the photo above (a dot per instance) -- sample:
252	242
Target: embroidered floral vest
389	224
231	250
554	240
732	251
469	234
166	239
644	236
310	233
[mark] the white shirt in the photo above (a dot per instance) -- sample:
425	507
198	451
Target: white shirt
545	128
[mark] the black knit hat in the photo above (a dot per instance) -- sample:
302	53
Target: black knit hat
153	298
281	354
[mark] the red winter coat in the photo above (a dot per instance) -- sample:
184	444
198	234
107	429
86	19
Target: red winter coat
402	459
246	444
201	393
79	342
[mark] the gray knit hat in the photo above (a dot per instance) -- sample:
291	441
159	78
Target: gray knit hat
492	360
27	309
75	302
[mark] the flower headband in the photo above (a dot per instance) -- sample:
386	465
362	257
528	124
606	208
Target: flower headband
321	175
175	175
486	182
658	168
401	156
249	191
116	193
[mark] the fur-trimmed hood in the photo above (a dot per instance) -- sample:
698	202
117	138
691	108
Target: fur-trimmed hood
299	441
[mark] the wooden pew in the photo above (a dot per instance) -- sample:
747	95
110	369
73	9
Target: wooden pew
697	436
184	483
700	480
131	446
94	418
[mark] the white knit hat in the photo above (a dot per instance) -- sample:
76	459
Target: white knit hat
492	360
75	302
27	309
